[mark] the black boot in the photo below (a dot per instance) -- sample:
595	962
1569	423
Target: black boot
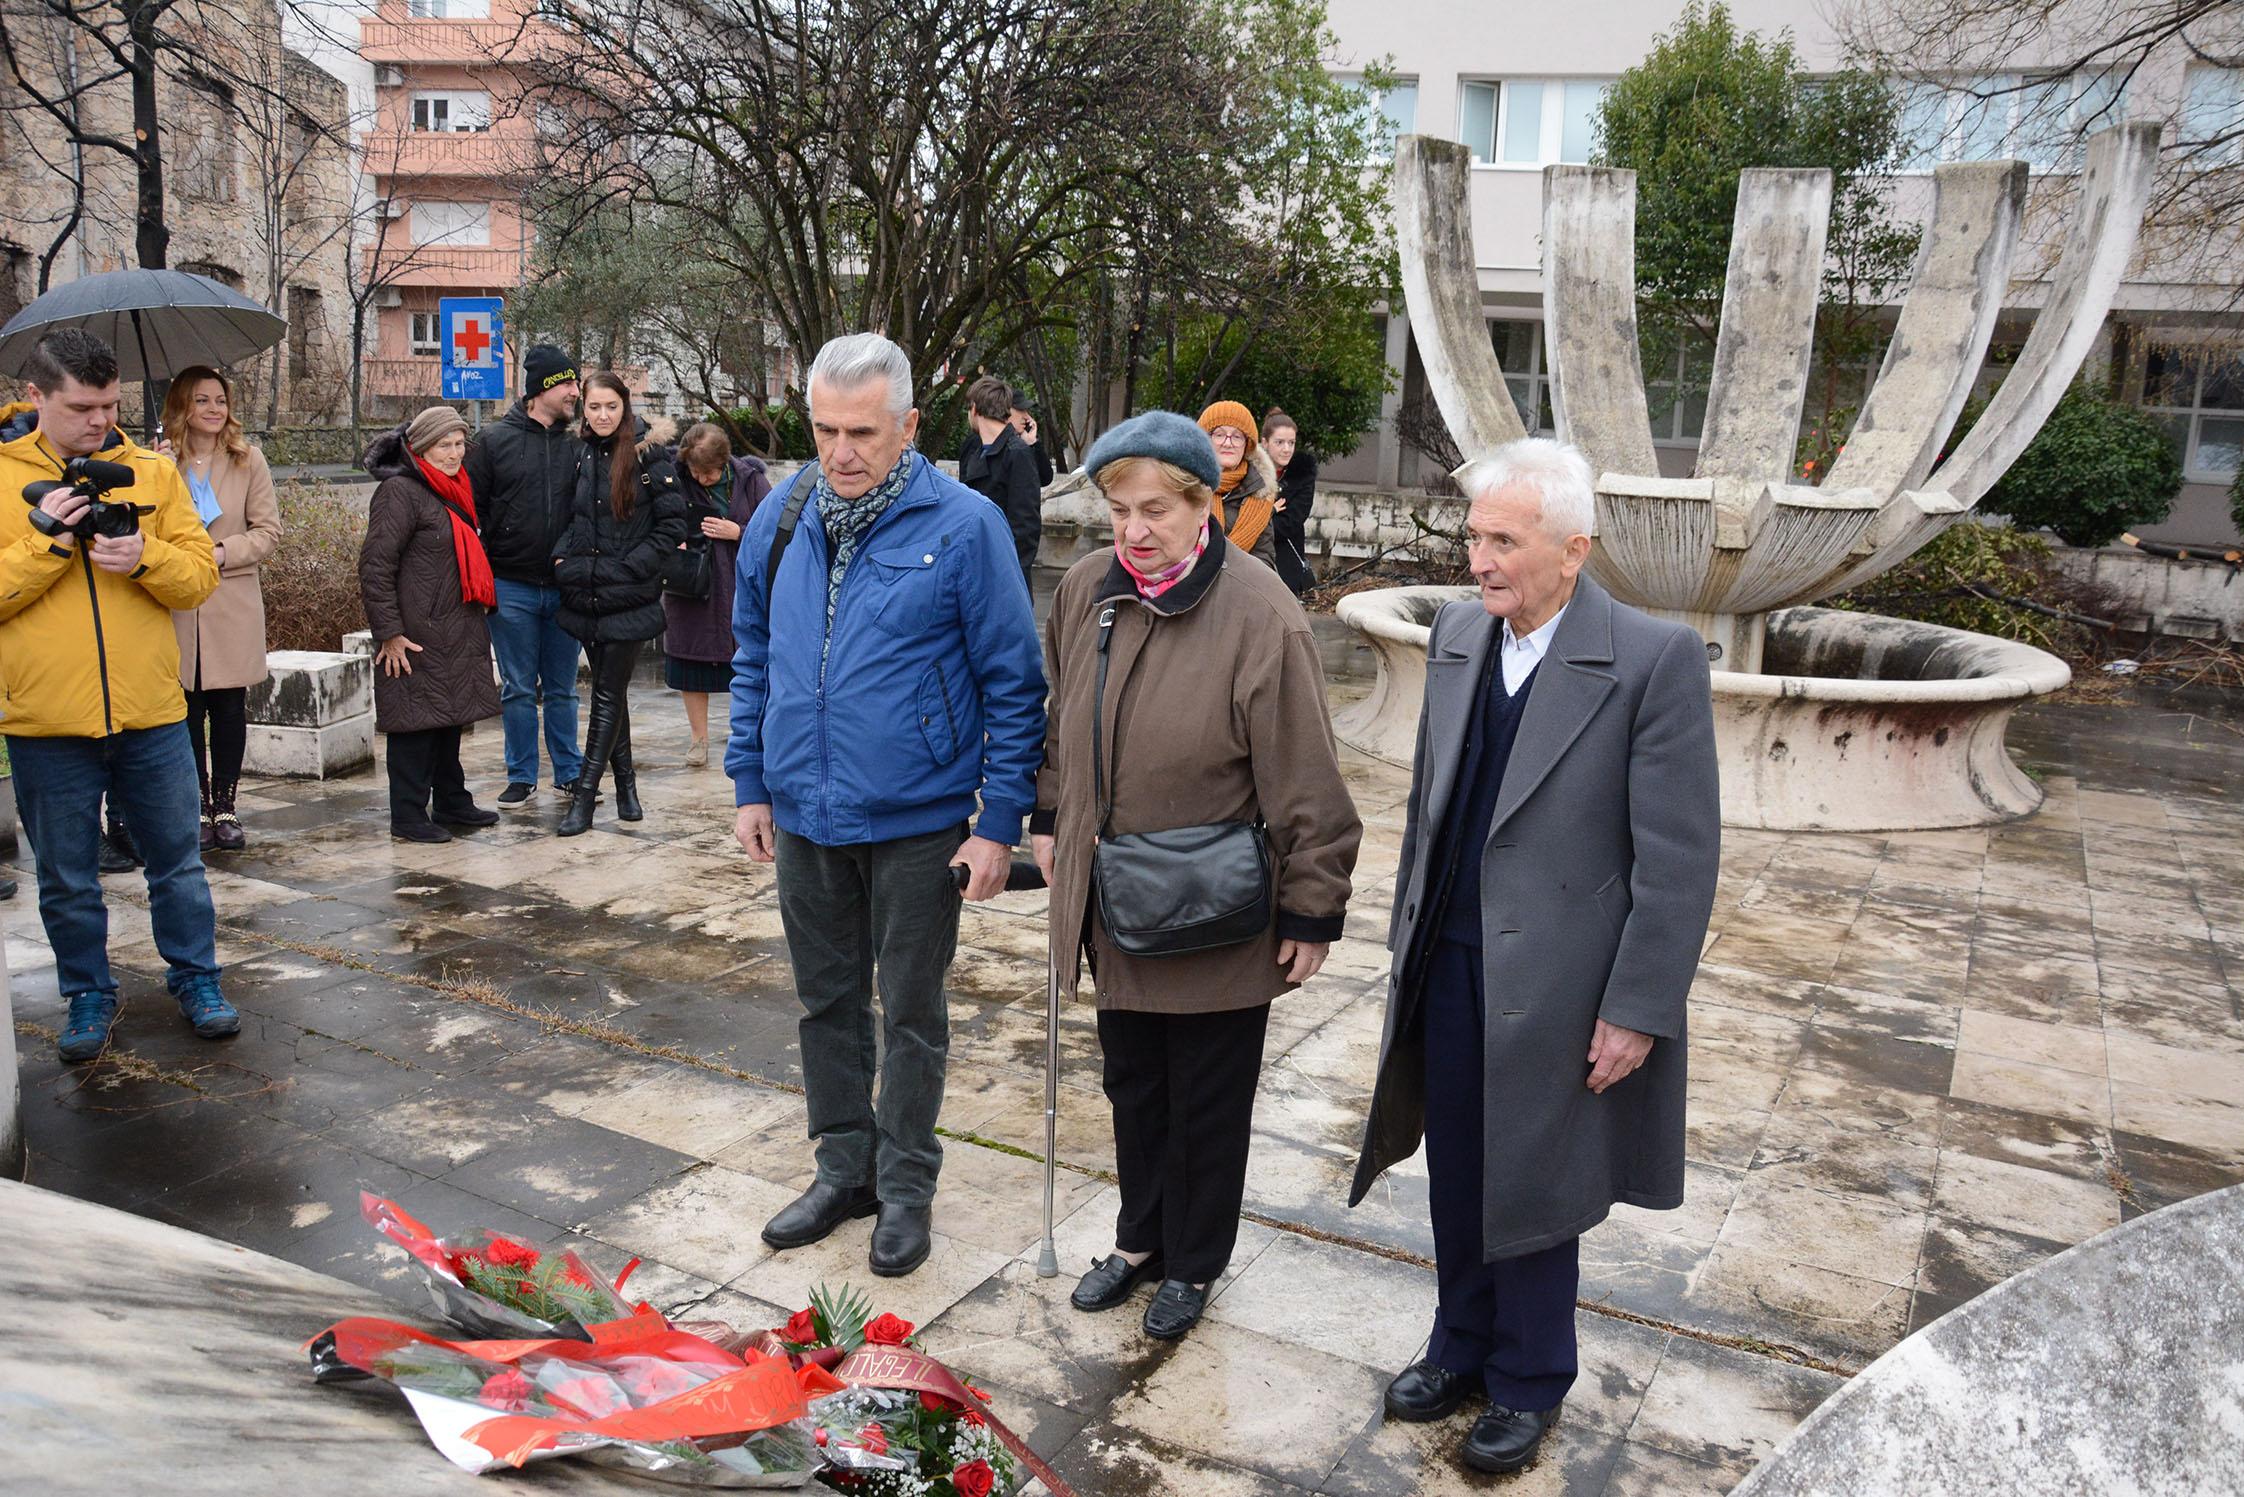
119	853
602	724
225	826
627	778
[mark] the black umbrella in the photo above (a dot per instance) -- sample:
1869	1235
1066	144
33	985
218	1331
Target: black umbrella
158	321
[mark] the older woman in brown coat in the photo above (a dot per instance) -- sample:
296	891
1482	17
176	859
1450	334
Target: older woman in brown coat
222	643
1214	712
428	591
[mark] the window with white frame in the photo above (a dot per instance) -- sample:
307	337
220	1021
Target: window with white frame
1529	122
2211	127
1399	103
452	223
452	111
448	10
423	336
1519	349
2004	116
2198	396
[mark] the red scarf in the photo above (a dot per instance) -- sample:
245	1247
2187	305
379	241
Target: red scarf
476	583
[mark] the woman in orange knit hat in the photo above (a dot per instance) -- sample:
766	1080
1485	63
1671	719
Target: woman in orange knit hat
1247	497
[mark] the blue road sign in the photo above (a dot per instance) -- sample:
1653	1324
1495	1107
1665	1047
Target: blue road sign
474	331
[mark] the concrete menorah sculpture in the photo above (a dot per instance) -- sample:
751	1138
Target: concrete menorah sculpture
1828	719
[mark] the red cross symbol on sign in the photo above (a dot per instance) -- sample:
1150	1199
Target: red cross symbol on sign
472	340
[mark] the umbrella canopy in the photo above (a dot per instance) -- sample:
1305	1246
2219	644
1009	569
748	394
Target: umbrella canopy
158	321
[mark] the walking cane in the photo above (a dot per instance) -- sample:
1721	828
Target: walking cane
1026	875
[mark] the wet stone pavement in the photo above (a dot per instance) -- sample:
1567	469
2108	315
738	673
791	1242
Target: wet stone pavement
1921	1063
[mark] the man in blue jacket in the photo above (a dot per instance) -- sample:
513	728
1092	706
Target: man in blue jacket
888	677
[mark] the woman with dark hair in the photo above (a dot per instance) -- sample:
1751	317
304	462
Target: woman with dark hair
1297	494
429	593
627	516
222	643
721	492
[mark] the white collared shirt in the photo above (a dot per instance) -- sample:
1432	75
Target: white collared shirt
1521	656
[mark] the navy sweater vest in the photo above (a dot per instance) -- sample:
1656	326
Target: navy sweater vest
1472	803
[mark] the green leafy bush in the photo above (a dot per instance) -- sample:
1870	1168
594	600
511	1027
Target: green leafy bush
2097	468
311	582
1965	578
774	434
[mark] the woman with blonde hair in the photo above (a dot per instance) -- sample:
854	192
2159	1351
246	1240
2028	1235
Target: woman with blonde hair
1246	492
222	643
1198	839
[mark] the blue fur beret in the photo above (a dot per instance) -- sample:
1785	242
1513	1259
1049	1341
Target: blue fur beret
1158	434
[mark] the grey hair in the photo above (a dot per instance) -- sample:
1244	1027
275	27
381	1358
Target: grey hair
857	359
1555	470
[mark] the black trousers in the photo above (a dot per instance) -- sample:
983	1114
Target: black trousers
423	763
1508	1324
218	727
1182	1088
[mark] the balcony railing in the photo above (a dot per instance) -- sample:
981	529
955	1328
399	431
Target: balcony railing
480	42
442	153
454	268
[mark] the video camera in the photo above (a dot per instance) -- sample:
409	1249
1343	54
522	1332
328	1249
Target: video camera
94	479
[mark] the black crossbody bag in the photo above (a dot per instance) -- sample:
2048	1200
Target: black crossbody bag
1191	888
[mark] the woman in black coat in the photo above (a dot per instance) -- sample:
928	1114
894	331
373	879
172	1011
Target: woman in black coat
1297	494
428	592
627	516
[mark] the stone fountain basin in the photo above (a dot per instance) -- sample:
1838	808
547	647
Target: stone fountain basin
1859	722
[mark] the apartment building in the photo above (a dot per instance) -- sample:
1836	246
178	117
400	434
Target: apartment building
1521	85
256	185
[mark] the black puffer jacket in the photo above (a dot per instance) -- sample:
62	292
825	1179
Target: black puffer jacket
525	476
610	570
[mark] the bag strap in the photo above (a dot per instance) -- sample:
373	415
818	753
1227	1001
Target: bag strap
789	515
1098	715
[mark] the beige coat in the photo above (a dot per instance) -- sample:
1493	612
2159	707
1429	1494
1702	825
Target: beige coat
1214	711
225	638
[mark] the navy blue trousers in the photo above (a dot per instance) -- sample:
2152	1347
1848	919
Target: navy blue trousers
1509	1323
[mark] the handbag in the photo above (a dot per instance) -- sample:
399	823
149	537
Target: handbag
687	573
1190	888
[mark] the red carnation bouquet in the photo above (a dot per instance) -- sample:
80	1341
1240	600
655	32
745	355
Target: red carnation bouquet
641	1397
489	1284
905	1426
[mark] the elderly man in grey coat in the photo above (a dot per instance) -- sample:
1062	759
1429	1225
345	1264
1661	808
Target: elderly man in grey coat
1558	870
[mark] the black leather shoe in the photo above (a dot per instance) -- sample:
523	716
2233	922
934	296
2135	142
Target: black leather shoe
1506	1439
577	820
816	1212
627	797
900	1240
1175	1309
1110	1281
469	815
419	831
1423	1392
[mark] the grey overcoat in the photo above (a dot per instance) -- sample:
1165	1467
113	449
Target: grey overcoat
1597	883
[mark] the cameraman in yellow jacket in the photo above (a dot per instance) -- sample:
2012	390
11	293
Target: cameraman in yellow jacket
89	682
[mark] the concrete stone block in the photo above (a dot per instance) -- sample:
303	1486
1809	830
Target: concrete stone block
360	642
310	752
312	688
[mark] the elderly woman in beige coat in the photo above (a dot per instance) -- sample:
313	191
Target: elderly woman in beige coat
1214	712
222	643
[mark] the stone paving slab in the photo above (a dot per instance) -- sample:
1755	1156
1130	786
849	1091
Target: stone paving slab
1922	1063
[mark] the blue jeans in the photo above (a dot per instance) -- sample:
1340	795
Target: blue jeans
149	774
537	663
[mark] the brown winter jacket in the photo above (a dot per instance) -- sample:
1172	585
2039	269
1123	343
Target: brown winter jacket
222	643
410	581
1214	711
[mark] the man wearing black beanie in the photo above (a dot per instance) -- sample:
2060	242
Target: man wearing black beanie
524	468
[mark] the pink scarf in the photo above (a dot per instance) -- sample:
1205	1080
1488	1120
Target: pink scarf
1157	583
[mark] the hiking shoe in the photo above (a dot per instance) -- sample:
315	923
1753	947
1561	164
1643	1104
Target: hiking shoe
87	1031
517	793
202	1005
